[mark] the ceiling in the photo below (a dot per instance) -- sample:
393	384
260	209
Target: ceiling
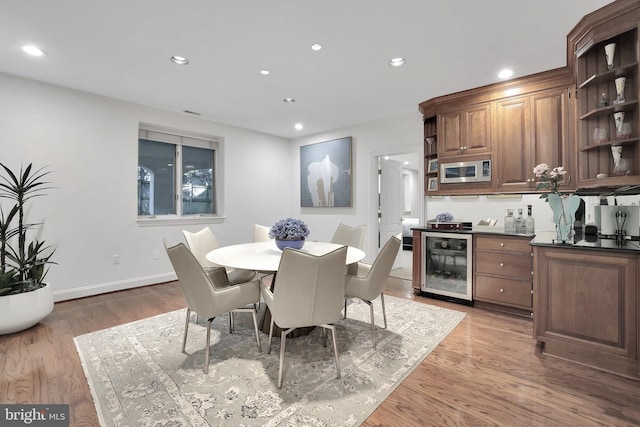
121	49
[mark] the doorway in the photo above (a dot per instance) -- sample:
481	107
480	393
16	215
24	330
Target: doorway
399	203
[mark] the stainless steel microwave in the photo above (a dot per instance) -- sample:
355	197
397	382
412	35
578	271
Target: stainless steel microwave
469	171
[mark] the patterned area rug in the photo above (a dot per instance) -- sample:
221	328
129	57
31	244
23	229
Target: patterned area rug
139	377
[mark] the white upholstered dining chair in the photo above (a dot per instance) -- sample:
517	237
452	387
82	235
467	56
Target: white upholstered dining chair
204	241
261	233
210	299
350	236
309	291
371	280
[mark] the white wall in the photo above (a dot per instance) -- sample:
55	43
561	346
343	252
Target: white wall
90	144
395	135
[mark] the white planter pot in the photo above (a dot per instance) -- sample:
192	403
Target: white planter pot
22	311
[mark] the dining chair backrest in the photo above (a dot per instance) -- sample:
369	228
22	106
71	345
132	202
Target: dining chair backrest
200	243
379	273
349	236
198	290
309	289
261	233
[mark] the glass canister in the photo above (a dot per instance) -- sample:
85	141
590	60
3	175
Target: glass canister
509	222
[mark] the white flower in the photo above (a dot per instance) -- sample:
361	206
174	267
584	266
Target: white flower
549	180
540	169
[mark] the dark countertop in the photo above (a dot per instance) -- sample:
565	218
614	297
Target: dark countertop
588	242
547	239
497	231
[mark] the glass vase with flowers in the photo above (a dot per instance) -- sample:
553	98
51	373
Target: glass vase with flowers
564	206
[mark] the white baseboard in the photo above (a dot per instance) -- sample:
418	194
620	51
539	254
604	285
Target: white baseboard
103	288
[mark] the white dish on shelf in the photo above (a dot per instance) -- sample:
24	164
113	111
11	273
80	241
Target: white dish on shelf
602	175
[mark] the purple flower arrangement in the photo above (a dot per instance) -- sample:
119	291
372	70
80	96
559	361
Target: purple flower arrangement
289	229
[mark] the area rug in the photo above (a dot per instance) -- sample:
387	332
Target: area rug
138	375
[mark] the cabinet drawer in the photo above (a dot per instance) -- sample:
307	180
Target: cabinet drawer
515	265
503	291
507	244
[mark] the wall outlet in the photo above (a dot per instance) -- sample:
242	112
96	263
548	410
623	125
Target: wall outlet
155	255
116	259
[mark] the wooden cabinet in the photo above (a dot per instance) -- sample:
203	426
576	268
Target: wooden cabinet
517	124
502	268
430	155
532	130
465	131
586	306
598	103
416	276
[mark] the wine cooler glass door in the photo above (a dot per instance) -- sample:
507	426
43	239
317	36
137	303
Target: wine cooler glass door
447	265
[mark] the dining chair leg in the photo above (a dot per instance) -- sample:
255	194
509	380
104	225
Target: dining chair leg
324	336
345	308
384	311
373	324
186	328
270	335
255	325
206	349
283	341
335	349
231	322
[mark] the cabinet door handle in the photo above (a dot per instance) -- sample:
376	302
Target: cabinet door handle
501	290
502	264
502	244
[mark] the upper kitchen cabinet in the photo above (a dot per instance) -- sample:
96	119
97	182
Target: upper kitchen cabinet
532	129
603	52
465	130
515	124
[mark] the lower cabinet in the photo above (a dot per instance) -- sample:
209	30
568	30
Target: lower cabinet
502	267
586	307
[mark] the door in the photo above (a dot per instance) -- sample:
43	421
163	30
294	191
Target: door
391	200
514	144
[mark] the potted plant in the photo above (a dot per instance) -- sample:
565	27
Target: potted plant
25	298
289	233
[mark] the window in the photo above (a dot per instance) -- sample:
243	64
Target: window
176	174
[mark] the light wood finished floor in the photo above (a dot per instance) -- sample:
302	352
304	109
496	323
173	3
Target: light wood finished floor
484	373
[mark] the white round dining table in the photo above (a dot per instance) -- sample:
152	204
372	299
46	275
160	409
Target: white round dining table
265	256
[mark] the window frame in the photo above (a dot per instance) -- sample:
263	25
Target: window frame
180	138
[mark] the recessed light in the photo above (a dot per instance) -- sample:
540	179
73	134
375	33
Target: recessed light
316	46
288	100
397	62
180	60
505	74
33	50
298	126
264	72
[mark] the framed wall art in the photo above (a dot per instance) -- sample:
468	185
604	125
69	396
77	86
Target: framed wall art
325	174
433	184
433	165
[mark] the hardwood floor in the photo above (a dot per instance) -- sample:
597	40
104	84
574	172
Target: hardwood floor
484	373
